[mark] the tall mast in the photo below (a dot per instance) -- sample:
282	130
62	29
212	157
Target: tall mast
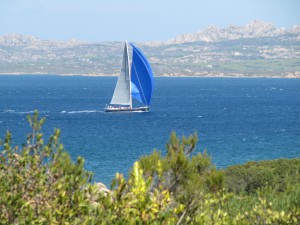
129	71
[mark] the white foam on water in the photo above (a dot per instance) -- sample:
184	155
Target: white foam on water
14	112
82	111
22	112
140	111
25	112
8	111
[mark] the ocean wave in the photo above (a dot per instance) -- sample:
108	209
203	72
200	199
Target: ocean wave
26	112
80	111
16	112
8	111
21	112
140	111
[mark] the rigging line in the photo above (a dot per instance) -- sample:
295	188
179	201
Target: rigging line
139	82
129	74
127	78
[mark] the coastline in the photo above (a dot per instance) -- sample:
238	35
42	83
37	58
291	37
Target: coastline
295	75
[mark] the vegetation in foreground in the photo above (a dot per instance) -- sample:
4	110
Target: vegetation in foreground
39	184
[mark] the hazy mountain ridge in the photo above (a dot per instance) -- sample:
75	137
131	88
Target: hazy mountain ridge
256	49
254	29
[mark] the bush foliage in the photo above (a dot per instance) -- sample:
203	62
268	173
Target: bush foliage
279	173
40	184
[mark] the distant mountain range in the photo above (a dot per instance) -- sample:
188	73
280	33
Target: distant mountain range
254	29
256	49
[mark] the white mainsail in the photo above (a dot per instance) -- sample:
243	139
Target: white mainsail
122	94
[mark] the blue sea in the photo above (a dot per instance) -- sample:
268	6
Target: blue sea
237	120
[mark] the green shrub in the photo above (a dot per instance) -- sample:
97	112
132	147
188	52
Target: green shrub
39	184
251	176
188	177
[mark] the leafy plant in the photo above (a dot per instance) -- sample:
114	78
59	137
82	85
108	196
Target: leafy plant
40	184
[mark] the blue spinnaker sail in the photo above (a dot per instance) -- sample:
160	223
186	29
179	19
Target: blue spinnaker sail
141	77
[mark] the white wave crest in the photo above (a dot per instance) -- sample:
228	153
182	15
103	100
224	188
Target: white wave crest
82	111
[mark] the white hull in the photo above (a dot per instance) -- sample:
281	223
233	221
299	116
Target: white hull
126	109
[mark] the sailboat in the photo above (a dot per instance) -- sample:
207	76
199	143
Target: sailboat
134	81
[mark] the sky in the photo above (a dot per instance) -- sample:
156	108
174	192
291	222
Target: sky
137	20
